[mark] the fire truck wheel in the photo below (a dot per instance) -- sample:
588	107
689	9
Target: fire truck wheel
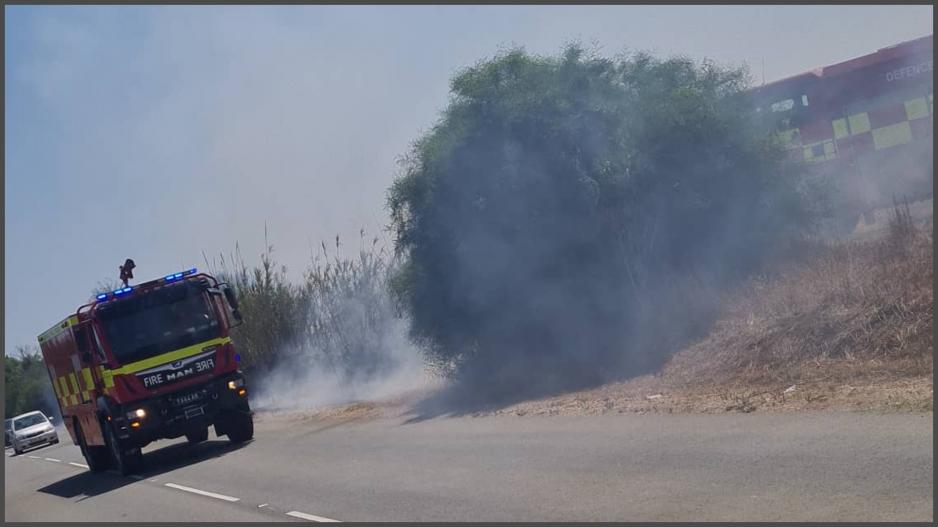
97	457
198	436
239	427
126	461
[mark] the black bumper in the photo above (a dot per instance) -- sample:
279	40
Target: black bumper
188	410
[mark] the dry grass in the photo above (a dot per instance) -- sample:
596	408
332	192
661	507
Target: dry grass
861	308
844	326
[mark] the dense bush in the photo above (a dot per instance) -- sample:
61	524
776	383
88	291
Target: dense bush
274	309
554	219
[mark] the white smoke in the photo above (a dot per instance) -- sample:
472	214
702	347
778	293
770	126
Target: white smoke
354	345
305	382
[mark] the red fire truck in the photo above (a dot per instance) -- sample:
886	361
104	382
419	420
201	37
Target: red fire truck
147	362
866	123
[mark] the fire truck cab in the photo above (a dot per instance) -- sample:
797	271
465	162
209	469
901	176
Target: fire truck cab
148	362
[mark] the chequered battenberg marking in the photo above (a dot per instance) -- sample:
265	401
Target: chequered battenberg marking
878	128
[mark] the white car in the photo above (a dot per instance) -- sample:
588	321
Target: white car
32	429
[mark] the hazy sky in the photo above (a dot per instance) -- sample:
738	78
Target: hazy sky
160	132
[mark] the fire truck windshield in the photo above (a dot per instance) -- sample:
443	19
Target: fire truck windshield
154	322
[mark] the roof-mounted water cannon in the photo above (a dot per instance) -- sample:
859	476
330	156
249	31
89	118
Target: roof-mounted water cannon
127	271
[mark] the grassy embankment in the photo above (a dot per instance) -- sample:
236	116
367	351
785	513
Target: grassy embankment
846	325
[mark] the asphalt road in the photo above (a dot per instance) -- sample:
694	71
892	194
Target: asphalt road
733	467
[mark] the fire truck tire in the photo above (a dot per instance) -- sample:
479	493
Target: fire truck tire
126	461
97	457
239	427
198	436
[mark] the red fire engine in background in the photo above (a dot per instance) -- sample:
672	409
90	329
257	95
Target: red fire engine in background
148	362
866	123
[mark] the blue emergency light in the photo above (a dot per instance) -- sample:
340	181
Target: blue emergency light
123	291
177	276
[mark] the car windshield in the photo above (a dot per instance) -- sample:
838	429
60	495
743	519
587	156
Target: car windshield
159	321
28	420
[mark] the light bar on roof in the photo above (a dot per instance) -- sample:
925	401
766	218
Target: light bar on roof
124	290
177	276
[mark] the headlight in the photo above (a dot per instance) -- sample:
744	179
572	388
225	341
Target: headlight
139	413
235	384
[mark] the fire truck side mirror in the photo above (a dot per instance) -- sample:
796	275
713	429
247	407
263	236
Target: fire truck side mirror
233	302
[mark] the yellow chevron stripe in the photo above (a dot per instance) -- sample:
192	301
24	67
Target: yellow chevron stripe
916	108
859	123
71	377
171	356
86	375
840	128
63	386
892	135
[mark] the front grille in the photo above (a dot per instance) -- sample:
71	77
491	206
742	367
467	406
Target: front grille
34	434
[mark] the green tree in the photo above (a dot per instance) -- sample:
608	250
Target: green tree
558	200
27	386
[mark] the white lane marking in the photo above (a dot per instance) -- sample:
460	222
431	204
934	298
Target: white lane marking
201	492
261	505
311	517
34	457
53	460
77	465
